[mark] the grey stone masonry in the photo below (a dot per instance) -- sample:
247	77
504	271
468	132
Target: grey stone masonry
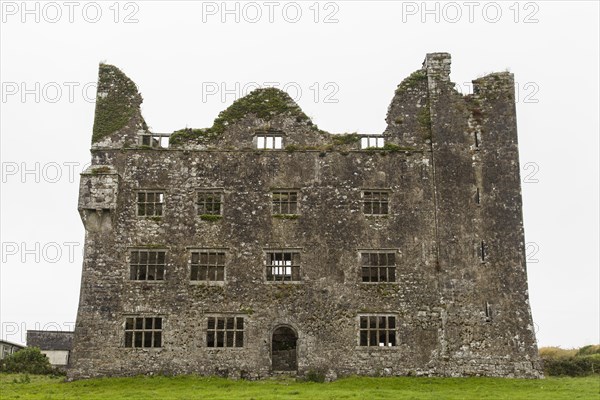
263	245
50	340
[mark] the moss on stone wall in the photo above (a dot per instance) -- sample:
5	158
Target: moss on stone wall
391	147
264	103
116	103
347	138
424	120
101	170
186	134
210	217
286	216
412	80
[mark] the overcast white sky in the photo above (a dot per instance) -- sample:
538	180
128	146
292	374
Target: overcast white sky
341	61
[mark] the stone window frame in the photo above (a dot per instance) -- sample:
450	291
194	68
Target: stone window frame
385	330
379	191
235	331
372	142
130	250
153	191
218	250
295	266
154	140
144	330
261	140
277	209
216	191
370	251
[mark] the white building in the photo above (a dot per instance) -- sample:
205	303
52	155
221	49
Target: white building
8	348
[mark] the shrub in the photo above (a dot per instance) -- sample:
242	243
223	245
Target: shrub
571	362
589	350
575	366
29	360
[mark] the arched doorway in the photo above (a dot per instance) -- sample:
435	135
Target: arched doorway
283	349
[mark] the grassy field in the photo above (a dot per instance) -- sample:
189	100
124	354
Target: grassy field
15	386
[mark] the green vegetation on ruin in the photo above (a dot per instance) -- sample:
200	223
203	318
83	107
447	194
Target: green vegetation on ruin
101	170
210	217
345	139
391	147
286	216
154	245
412	81
264	103
116	103
424	118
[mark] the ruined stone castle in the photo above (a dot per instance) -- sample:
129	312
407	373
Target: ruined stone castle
265	245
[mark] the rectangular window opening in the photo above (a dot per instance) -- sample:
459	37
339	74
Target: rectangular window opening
210	202
285	202
143	332
147	265
269	141
283	266
375	202
207	265
225	332
154	140
378	266
377	330
372	142
150	204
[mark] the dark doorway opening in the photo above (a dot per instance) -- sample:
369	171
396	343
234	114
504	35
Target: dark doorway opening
283	348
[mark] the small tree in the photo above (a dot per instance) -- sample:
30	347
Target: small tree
29	360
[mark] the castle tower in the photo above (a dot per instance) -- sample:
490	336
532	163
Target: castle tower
263	244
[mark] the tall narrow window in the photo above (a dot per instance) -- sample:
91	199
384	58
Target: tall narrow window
283	266
378	267
150	204
375	202
208	265
488	312
147	265
285	202
377	330
225	332
143	332
210	202
483	251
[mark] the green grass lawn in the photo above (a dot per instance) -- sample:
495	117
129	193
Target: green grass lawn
15	386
